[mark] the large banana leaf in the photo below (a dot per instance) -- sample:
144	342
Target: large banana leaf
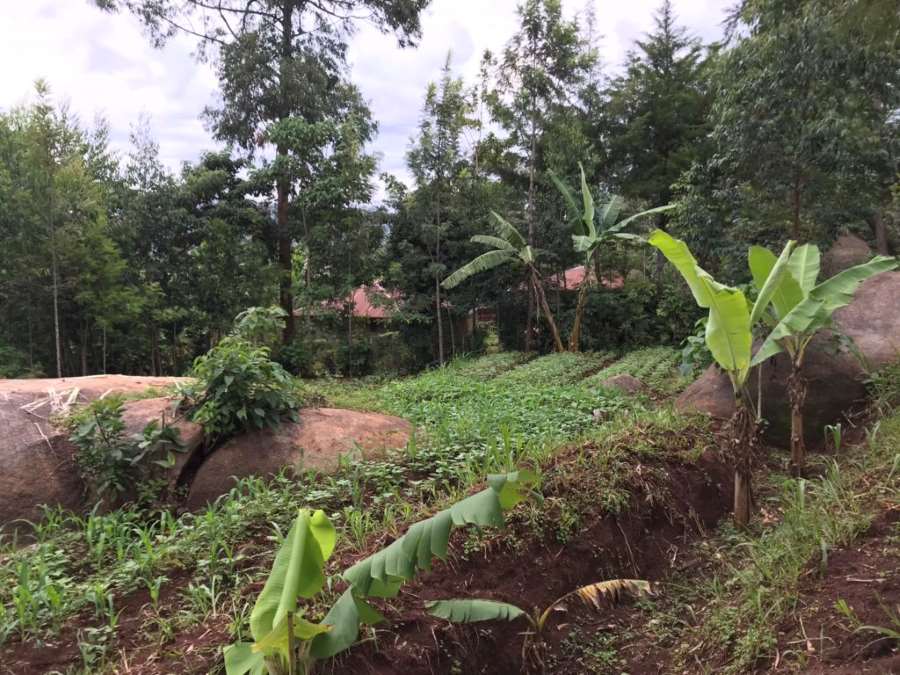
805	266
381	574
296	573
728	333
482	263
816	310
772	282
344	619
472	611
643	214
508	232
588	202
788	293
571	204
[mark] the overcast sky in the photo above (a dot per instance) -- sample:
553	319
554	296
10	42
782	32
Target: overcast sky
103	64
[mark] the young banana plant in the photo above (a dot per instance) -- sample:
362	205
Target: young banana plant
594	595
801	308
285	643
592	230
729	338
508	247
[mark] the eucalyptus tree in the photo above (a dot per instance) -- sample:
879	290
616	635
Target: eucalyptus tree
436	159
800	309
509	247
275	60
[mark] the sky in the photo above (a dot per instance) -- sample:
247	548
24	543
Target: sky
103	64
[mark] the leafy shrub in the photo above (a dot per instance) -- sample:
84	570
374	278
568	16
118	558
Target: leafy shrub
14	363
260	326
107	459
242	389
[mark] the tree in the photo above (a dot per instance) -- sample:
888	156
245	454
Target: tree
654	117
276	60
539	73
800	309
804	125
436	160
591	231
509	247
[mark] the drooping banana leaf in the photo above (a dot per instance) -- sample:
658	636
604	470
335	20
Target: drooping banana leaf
508	232
344	619
587	199
381	574
490	240
482	263
728	333
643	214
838	291
472	611
241	659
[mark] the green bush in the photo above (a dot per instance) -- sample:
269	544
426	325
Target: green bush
241	388
108	461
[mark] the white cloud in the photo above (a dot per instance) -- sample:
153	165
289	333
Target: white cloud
102	63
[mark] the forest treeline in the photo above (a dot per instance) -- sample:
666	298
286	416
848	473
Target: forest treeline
110	262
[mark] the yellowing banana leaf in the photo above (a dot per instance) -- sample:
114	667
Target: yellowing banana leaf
277	639
472	611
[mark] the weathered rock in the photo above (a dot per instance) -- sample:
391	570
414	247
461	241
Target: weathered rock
37	458
317	441
836	380
848	250
627	384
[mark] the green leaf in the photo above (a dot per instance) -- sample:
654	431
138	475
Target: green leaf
508	232
807	317
296	573
838	291
569	198
773	280
643	214
471	611
611	211
241	659
277	639
584	244
344	619
788	293
804	267
382	573
489	240
728	333
482	263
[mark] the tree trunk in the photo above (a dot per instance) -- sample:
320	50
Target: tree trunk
797	393
83	349
104	350
285	248
741	438
437	280
881	235
545	308
575	337
56	330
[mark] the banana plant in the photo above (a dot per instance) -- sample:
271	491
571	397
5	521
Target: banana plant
508	247
594	595
801	308
729	338
286	643
593	229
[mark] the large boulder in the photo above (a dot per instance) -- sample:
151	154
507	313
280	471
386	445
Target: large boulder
37	458
848	250
625	383
836	379
316	441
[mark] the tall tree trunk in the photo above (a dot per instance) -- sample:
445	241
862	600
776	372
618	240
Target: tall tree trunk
55	274
83	348
545	308
104	350
285	248
881	235
797	393
437	281
529	322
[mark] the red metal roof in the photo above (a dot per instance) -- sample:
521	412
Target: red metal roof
574	277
